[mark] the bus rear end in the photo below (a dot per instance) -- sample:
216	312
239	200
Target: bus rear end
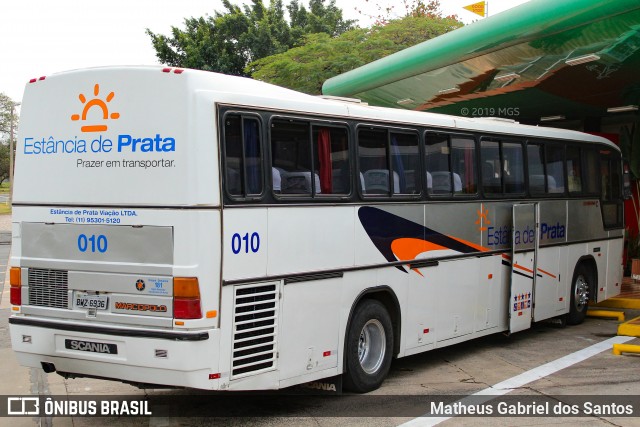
115	262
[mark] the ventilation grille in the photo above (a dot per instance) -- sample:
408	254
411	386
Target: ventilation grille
255	316
48	288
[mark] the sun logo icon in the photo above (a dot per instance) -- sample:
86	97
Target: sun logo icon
98	103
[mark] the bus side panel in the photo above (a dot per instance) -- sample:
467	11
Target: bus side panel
599	251
614	264
309	327
548	286
418	327
245	243
323	239
492	294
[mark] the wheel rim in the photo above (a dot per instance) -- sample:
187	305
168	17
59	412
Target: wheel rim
581	293
371	346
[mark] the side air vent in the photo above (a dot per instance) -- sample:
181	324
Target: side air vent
255	314
48	288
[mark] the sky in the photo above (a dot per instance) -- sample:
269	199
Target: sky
42	37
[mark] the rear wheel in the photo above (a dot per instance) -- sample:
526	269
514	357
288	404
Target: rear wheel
581	286
368	347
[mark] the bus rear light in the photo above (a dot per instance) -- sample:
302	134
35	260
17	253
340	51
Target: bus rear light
15	276
15	295
186	298
178	71
15	280
186	308
186	287
214	376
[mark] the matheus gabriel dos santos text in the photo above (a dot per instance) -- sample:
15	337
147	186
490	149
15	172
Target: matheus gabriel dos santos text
532	408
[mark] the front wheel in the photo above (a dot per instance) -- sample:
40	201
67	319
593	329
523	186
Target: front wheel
580	289
368	347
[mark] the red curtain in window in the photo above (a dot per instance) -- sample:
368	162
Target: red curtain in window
324	160
469	162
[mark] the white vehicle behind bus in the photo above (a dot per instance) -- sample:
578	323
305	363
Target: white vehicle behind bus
185	228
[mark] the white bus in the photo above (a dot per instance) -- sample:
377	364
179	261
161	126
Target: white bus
186	228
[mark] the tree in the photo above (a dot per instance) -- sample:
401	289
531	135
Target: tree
229	41
305	68
7	116
415	8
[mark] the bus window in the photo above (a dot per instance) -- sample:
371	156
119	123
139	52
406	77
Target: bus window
574	170
502	167
243	156
388	160
405	162
331	160
590	176
291	157
537	174
555	169
611	176
450	162
491	169
437	163
374	162
463	165
512	168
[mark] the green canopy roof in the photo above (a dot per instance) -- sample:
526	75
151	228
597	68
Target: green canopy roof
544	57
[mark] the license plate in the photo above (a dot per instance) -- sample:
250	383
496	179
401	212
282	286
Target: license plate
98	302
91	346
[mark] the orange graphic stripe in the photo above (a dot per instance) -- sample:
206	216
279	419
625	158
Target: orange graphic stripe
507	257
406	249
409	248
547	273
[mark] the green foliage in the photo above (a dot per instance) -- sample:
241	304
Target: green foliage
227	42
7	114
415	8
320	57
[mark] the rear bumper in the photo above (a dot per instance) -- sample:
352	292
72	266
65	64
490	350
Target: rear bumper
183	359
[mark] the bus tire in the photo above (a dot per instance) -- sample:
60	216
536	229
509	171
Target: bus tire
368	348
580	288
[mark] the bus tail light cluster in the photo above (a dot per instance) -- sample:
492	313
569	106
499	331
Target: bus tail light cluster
15	296
186	298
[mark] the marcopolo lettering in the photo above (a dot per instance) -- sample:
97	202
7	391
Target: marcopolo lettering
140	307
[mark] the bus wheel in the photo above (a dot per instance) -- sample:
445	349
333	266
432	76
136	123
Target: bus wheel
368	347
580	287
